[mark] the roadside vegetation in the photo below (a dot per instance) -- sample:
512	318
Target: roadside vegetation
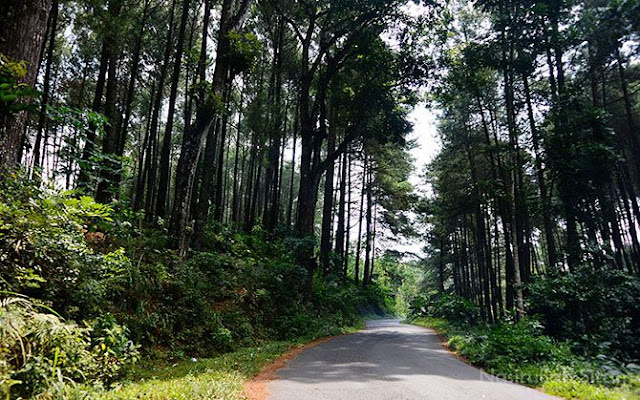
220	180
521	351
91	301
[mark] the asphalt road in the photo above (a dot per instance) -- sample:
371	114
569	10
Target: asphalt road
389	360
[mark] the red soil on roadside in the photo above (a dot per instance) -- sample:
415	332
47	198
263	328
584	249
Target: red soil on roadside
256	388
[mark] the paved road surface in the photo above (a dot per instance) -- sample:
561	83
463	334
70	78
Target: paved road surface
393	361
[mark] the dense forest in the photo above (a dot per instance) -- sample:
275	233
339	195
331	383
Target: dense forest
183	178
539	170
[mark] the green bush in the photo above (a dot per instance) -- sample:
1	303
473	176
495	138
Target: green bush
75	256
520	352
454	308
111	347
40	353
596	309
45	252
505	346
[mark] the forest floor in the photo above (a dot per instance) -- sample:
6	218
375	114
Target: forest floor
389	360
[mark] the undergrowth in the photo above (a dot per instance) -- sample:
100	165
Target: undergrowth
91	287
521	353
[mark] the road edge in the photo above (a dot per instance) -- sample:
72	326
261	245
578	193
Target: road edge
460	357
256	388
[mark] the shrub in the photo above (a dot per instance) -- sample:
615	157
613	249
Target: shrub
597	309
44	250
452	307
40	352
504	345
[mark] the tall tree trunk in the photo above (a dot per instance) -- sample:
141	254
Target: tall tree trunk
293	165
152	186
327	206
86	167
42	117
345	260
361	214
231	15
108	172
367	263
133	76
513	188
23	25
566	179
165	155
272	203
542	184
144	155
218	207
340	228
235	204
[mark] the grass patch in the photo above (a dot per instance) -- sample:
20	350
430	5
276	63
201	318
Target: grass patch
520	353
219	377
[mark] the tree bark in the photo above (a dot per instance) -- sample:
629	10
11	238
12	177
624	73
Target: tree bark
165	154
23	25
340	228
327	207
42	118
108	172
232	13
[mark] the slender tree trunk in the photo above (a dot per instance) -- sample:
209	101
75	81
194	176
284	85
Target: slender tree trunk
367	263
165	155
542	184
218	208
514	193
144	156
340	229
86	168
293	166
235	204
327	207
359	241
42	117
128	105
152	186
272	203
345	260
108	173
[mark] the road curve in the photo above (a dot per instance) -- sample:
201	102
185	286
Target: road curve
389	360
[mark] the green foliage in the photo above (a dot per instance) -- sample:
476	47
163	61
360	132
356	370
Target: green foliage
520	352
597	309
244	51
45	251
11	89
82	122
241	288
111	347
445	305
220	377
402	279
576	389
504	346
41	354
74	255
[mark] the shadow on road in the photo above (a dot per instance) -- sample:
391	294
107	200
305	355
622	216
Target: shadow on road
390	360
